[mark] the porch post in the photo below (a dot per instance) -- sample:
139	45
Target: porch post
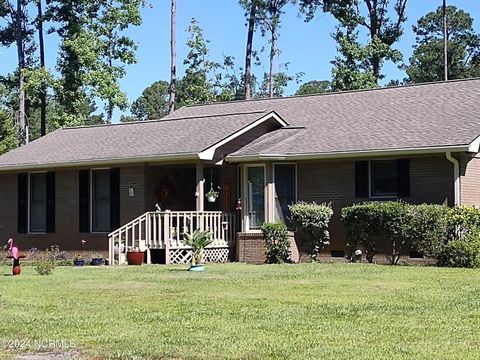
270	194
200	192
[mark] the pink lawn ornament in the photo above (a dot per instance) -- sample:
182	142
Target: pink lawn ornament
15	255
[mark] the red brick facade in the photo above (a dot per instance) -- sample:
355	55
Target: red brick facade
431	181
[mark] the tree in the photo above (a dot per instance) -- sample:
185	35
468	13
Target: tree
79	52
351	69
314	87
43	87
427	63
268	14
173	58
115	50
18	31
152	104
250	7
197	85
374	17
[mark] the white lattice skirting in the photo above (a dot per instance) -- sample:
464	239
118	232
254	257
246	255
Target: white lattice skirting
212	255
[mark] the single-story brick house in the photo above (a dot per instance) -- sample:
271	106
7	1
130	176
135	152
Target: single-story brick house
144	183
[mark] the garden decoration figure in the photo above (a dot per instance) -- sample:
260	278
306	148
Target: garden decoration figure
15	256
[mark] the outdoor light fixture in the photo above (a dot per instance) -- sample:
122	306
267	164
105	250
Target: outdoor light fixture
131	191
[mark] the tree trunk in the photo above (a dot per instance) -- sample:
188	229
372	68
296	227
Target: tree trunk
110	64
43	88
248	54
19	32
173	60
270	73
445	40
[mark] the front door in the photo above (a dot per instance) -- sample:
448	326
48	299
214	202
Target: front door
255	196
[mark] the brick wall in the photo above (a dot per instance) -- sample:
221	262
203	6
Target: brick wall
431	181
67	234
470	180
250	248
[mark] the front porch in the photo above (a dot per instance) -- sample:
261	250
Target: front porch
163	232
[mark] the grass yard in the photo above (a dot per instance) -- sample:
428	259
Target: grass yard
237	311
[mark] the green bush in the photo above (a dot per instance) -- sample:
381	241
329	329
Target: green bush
311	221
463	252
461	219
47	262
277	243
366	223
443	233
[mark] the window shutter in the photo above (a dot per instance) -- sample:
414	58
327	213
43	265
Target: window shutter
50	202
361	179
403	177
114	198
84	200
22	207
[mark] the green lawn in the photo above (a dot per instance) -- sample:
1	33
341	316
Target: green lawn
237	311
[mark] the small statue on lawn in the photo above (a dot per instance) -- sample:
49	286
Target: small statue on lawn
15	256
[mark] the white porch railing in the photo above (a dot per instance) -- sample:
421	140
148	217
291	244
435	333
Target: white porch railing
166	229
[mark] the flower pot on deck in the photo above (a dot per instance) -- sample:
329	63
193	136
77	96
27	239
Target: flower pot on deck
135	257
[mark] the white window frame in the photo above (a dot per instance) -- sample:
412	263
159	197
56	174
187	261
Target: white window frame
91	201
274	184
246	219
29	203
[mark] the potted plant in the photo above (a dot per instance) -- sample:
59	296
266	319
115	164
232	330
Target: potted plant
198	241
212	195
97	260
135	256
79	260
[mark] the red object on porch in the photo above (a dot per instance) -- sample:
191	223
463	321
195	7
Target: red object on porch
135	257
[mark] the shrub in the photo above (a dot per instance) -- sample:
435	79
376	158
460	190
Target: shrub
365	223
360	222
311	221
461	219
277	243
463	252
430	229
46	262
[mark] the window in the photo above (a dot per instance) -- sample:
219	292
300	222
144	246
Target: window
382	178
101	200
285	191
38	202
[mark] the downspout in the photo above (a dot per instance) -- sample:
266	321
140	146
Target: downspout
456	177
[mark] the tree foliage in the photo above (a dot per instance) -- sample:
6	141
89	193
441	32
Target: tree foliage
359	65
152	104
314	87
427	61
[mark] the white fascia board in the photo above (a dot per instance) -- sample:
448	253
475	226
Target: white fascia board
474	146
101	162
353	154
209	152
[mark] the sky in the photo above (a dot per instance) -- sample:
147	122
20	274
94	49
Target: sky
306	47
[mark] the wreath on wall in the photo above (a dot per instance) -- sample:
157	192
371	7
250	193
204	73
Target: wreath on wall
165	191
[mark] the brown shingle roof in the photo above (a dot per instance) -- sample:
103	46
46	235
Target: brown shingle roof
418	116
138	140
443	114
